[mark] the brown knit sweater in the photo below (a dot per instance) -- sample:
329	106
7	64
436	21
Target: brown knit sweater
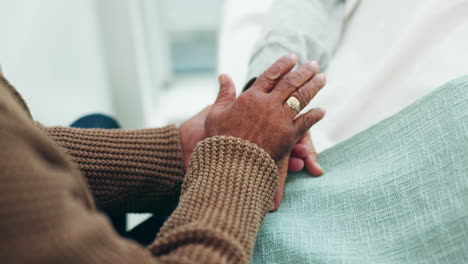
52	178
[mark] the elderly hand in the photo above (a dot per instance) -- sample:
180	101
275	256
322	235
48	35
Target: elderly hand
261	114
191	132
303	155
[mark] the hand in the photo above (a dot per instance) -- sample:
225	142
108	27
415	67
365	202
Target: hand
302	155
191	132
260	115
305	155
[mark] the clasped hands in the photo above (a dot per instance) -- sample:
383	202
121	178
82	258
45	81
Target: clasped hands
262	116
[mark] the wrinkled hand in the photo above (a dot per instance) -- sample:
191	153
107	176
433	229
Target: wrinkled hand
260	115
303	155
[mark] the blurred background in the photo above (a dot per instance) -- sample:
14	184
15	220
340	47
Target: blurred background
139	61
145	62
149	63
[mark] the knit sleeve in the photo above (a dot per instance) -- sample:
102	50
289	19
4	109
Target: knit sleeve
226	193
48	215
127	170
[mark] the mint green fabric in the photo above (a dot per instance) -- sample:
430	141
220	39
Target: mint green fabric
395	193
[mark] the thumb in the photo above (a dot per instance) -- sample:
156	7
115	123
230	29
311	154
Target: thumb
227	91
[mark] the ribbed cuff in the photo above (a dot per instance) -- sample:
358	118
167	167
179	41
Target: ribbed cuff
127	170
227	191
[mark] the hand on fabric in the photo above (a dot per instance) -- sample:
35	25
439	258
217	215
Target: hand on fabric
302	155
260	115
191	132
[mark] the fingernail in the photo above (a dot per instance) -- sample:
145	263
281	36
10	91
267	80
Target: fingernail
322	78
316	164
292	56
322	110
272	206
314	64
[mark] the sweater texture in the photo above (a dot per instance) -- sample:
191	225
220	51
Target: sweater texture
55	180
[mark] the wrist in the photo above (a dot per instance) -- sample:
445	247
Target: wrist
228	188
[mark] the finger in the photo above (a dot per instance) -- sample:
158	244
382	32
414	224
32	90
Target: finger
306	93
295	164
310	161
313	167
227	91
295	79
268	80
305	121
300	151
283	173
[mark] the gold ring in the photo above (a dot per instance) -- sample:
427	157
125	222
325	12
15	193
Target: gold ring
294	103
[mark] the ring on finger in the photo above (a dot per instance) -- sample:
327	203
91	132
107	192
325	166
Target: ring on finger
294	103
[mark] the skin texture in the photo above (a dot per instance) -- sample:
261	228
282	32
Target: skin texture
303	83
191	132
260	115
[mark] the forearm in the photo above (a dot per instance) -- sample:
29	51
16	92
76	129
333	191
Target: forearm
48	216
220	207
310	29
127	170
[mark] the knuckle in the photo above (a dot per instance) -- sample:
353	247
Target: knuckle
305	95
308	119
273	73
311	118
265	79
311	88
294	79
